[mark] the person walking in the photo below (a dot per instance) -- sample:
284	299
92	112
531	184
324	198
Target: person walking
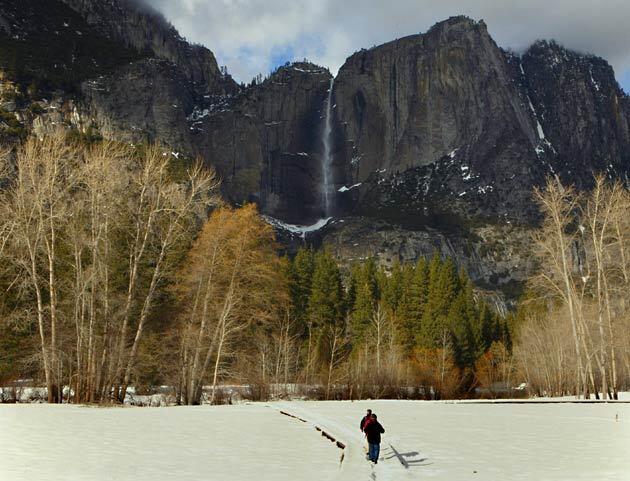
373	431
365	419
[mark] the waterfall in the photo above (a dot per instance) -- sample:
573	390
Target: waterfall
327	154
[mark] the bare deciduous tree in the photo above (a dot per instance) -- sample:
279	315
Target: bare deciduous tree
584	278
73	212
231	279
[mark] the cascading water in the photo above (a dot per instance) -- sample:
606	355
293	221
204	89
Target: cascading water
327	153
326	188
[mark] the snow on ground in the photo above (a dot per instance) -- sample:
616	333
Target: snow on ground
484	441
301	230
218	443
423	440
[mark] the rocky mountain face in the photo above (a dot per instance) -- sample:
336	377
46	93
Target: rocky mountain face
137	26
436	141
49	45
145	100
581	109
436	125
266	142
446	123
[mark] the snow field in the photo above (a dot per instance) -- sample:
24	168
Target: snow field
207	443
422	440
492	442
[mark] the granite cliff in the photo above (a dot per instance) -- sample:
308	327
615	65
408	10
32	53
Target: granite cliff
437	139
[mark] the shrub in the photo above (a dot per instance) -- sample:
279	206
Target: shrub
37	109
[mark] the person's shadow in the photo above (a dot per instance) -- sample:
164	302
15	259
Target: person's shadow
407	459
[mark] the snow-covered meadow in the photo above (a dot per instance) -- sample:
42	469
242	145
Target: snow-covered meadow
438	440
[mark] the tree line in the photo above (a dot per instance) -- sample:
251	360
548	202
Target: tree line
89	237
574	324
378	331
122	270
121	267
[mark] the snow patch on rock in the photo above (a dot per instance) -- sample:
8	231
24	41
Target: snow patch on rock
346	189
300	230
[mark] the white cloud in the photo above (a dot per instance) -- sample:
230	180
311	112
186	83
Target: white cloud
249	35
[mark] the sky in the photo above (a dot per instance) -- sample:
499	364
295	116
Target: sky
255	36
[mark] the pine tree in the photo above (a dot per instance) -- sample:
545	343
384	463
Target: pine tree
366	298
412	303
391	287
506	334
442	290
325	303
325	314
300	277
350	293
463	322
490	326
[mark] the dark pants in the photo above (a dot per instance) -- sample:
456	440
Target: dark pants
373	452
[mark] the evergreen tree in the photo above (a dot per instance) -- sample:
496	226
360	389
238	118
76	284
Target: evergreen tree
350	294
474	319
490	326
391	287
463	322
506	333
325	303
442	290
365	301
300	278
325	310
412	303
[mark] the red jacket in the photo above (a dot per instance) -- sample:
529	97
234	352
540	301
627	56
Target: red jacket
364	421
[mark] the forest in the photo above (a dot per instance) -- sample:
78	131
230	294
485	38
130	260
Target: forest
122	268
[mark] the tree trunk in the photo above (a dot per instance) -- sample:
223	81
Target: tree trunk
217	363
330	365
